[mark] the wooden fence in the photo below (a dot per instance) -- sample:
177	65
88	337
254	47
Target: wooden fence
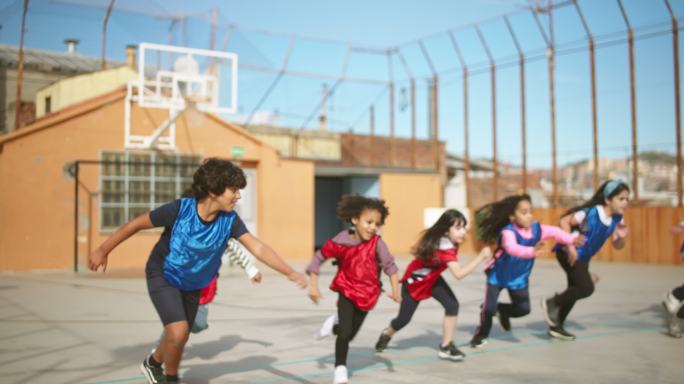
649	239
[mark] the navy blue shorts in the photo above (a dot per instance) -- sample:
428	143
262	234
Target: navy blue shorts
171	303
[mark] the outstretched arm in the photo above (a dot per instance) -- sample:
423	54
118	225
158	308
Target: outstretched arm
558	234
389	266
513	248
238	256
461	272
562	236
314	292
267	255
98	258
396	294
313	270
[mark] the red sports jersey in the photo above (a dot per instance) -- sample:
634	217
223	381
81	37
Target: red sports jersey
421	275
357	275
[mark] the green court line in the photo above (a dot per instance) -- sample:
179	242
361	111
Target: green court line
433	358
413	361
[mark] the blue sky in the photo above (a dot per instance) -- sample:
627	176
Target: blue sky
384	24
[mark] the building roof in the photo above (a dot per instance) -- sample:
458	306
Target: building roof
270	130
53	119
49	61
86	106
458	163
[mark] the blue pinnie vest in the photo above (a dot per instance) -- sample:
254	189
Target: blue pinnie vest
596	233
513	272
195	248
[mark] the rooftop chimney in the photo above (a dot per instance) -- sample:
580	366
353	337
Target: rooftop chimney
130	56
71	45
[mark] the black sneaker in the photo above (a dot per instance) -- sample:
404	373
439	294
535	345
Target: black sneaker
450	352
550	311
561	334
383	340
504	320
153	373
478	341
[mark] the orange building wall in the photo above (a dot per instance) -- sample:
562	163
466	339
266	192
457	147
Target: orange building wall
36	201
407	196
286	214
36	204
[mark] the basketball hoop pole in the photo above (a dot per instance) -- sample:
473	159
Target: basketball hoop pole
175	114
152	139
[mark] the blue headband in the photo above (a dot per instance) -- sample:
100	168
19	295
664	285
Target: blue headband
611	186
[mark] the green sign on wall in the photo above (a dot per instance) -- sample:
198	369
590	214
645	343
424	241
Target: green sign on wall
237	152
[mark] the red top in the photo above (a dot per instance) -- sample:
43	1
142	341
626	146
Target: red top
207	293
357	275
421	275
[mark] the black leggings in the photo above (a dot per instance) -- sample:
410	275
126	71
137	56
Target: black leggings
440	291
678	293
580	285
350	320
518	307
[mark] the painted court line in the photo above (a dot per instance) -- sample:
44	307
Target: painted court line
413	361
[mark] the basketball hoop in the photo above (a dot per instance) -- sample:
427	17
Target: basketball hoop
176	78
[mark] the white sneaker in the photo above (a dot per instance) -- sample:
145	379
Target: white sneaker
673	327
671	304
327	327
341	376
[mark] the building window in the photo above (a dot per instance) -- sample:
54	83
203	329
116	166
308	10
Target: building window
48	104
132	183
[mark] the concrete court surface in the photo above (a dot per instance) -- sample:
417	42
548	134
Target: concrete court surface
60	327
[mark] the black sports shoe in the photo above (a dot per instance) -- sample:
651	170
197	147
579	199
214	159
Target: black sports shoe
550	311
478	341
383	340
153	373
561	334
504	320
450	352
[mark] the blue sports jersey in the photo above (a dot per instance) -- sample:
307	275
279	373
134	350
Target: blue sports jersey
596	233
196	247
510	271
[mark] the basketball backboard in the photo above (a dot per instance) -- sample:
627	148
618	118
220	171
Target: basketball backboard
171	75
173	78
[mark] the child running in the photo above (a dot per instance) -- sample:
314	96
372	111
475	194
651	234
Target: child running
236	255
436	251
598	219
188	256
360	254
509	223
